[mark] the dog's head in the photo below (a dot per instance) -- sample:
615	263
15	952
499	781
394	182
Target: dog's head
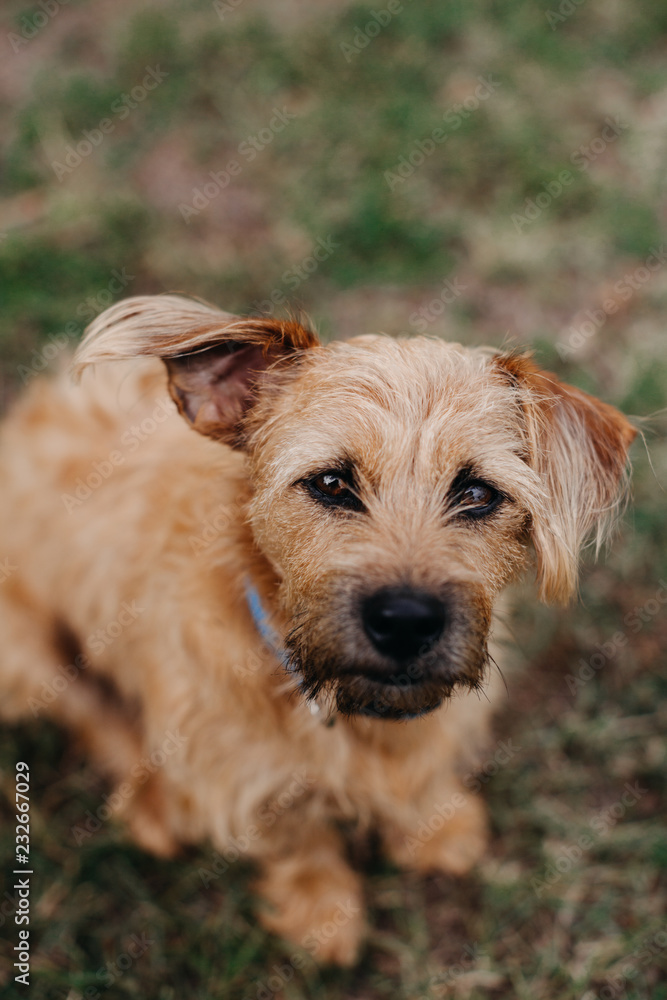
396	485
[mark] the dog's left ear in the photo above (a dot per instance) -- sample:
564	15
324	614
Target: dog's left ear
578	445
215	361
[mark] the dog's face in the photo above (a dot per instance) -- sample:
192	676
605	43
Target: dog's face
392	496
396	486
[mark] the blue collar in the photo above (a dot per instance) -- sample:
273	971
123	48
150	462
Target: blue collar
263	626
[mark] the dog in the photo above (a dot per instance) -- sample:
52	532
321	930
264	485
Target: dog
273	569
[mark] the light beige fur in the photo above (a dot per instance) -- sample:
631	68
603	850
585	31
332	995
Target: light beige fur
110	500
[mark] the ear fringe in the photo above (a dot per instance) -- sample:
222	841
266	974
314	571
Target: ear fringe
578	445
167	326
587	500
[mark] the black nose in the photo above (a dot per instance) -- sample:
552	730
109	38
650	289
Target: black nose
402	623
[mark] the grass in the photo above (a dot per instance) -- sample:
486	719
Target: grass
541	917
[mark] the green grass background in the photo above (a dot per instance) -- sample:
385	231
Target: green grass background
558	78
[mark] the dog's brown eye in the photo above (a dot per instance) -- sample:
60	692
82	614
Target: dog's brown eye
333	486
475	499
333	489
477	496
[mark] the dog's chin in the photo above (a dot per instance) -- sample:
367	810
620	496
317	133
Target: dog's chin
362	695
407	690
387	701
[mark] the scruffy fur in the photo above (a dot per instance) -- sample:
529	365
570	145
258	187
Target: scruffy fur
110	500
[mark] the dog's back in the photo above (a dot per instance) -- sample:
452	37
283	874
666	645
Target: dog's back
103	489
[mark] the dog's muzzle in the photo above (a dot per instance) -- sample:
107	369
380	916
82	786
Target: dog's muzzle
399	650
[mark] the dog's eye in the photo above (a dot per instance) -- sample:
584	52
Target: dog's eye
334	490
475	499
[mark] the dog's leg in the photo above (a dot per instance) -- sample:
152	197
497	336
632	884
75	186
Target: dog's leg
449	834
39	679
314	898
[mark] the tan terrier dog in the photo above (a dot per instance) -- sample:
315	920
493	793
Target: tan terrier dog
297	600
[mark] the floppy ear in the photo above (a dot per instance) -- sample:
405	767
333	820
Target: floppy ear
578	445
215	361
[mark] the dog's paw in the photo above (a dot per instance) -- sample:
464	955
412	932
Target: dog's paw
320	910
150	835
145	816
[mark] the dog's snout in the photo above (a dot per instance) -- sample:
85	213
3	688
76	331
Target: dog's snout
403	623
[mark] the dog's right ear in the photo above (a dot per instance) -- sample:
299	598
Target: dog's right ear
578	446
215	360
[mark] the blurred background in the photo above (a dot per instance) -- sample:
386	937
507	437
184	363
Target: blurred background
488	172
